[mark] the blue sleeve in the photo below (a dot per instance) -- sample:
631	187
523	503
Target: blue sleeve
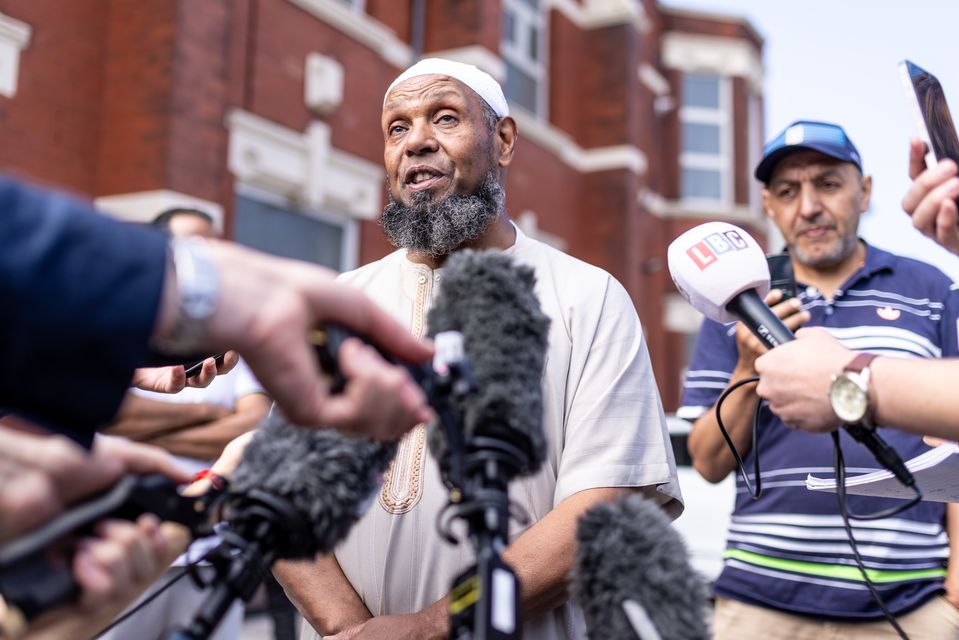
710	368
79	295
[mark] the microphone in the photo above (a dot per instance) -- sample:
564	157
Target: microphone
325	477
491	302
297	492
494	430
632	576
722	272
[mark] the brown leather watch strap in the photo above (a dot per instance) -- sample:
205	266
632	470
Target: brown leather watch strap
860	362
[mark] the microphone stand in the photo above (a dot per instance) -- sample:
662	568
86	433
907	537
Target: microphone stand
484	600
262	527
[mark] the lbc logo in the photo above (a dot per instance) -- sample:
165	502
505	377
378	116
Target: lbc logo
707	251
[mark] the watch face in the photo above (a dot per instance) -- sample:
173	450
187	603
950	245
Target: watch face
848	399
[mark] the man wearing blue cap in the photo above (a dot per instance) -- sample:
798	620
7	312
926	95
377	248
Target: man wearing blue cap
789	570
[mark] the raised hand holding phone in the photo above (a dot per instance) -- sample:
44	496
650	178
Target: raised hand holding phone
931	200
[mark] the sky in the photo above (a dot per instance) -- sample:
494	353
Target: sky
836	60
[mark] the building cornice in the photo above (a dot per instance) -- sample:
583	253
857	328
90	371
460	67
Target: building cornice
698	210
362	28
595	14
693	52
609	158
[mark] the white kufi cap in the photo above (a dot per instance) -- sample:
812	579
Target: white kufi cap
481	82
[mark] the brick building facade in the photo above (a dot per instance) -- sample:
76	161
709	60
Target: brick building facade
635	121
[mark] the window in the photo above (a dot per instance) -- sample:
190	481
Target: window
706	152
265	222
523	50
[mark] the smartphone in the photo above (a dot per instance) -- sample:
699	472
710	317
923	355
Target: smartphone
931	112
194	369
781	275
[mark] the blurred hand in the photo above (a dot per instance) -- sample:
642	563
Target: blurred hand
40	475
232	454
931	199
112	569
173	379
268	306
380	400
750	347
795	378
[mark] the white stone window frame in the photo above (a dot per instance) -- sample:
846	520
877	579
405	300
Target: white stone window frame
516	52
723	161
349	247
14	38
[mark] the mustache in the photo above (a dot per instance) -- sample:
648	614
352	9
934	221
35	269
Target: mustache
816	224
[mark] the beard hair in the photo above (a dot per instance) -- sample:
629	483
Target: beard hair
831	256
439	227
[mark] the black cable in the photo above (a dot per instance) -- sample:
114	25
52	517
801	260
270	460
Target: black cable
729	441
840	469
840	472
137	608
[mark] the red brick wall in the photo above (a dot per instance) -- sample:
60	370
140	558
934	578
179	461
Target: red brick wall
135	114
119	96
50	130
451	24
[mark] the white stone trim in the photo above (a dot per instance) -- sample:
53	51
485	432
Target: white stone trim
476	55
303	166
361	27
690	53
704	210
549	137
679	316
594	14
143	206
14	38
322	83
653	80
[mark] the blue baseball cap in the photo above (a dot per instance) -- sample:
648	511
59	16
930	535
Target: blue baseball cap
824	137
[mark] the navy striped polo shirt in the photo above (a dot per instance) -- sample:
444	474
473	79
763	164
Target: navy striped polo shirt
788	550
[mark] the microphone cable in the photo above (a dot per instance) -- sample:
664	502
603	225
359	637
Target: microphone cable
755	431
191	569
839	468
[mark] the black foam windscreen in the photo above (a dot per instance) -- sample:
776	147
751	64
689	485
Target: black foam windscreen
328	478
628	551
491	301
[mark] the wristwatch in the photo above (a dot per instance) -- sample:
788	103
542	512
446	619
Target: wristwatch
849	393
198	291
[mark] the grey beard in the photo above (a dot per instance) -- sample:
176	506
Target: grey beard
439	227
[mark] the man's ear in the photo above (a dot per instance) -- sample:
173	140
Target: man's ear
764	192
506	140
866	186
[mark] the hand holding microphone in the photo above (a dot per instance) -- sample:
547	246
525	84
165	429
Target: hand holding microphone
722	272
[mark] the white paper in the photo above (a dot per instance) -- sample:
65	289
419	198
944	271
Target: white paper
936	472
